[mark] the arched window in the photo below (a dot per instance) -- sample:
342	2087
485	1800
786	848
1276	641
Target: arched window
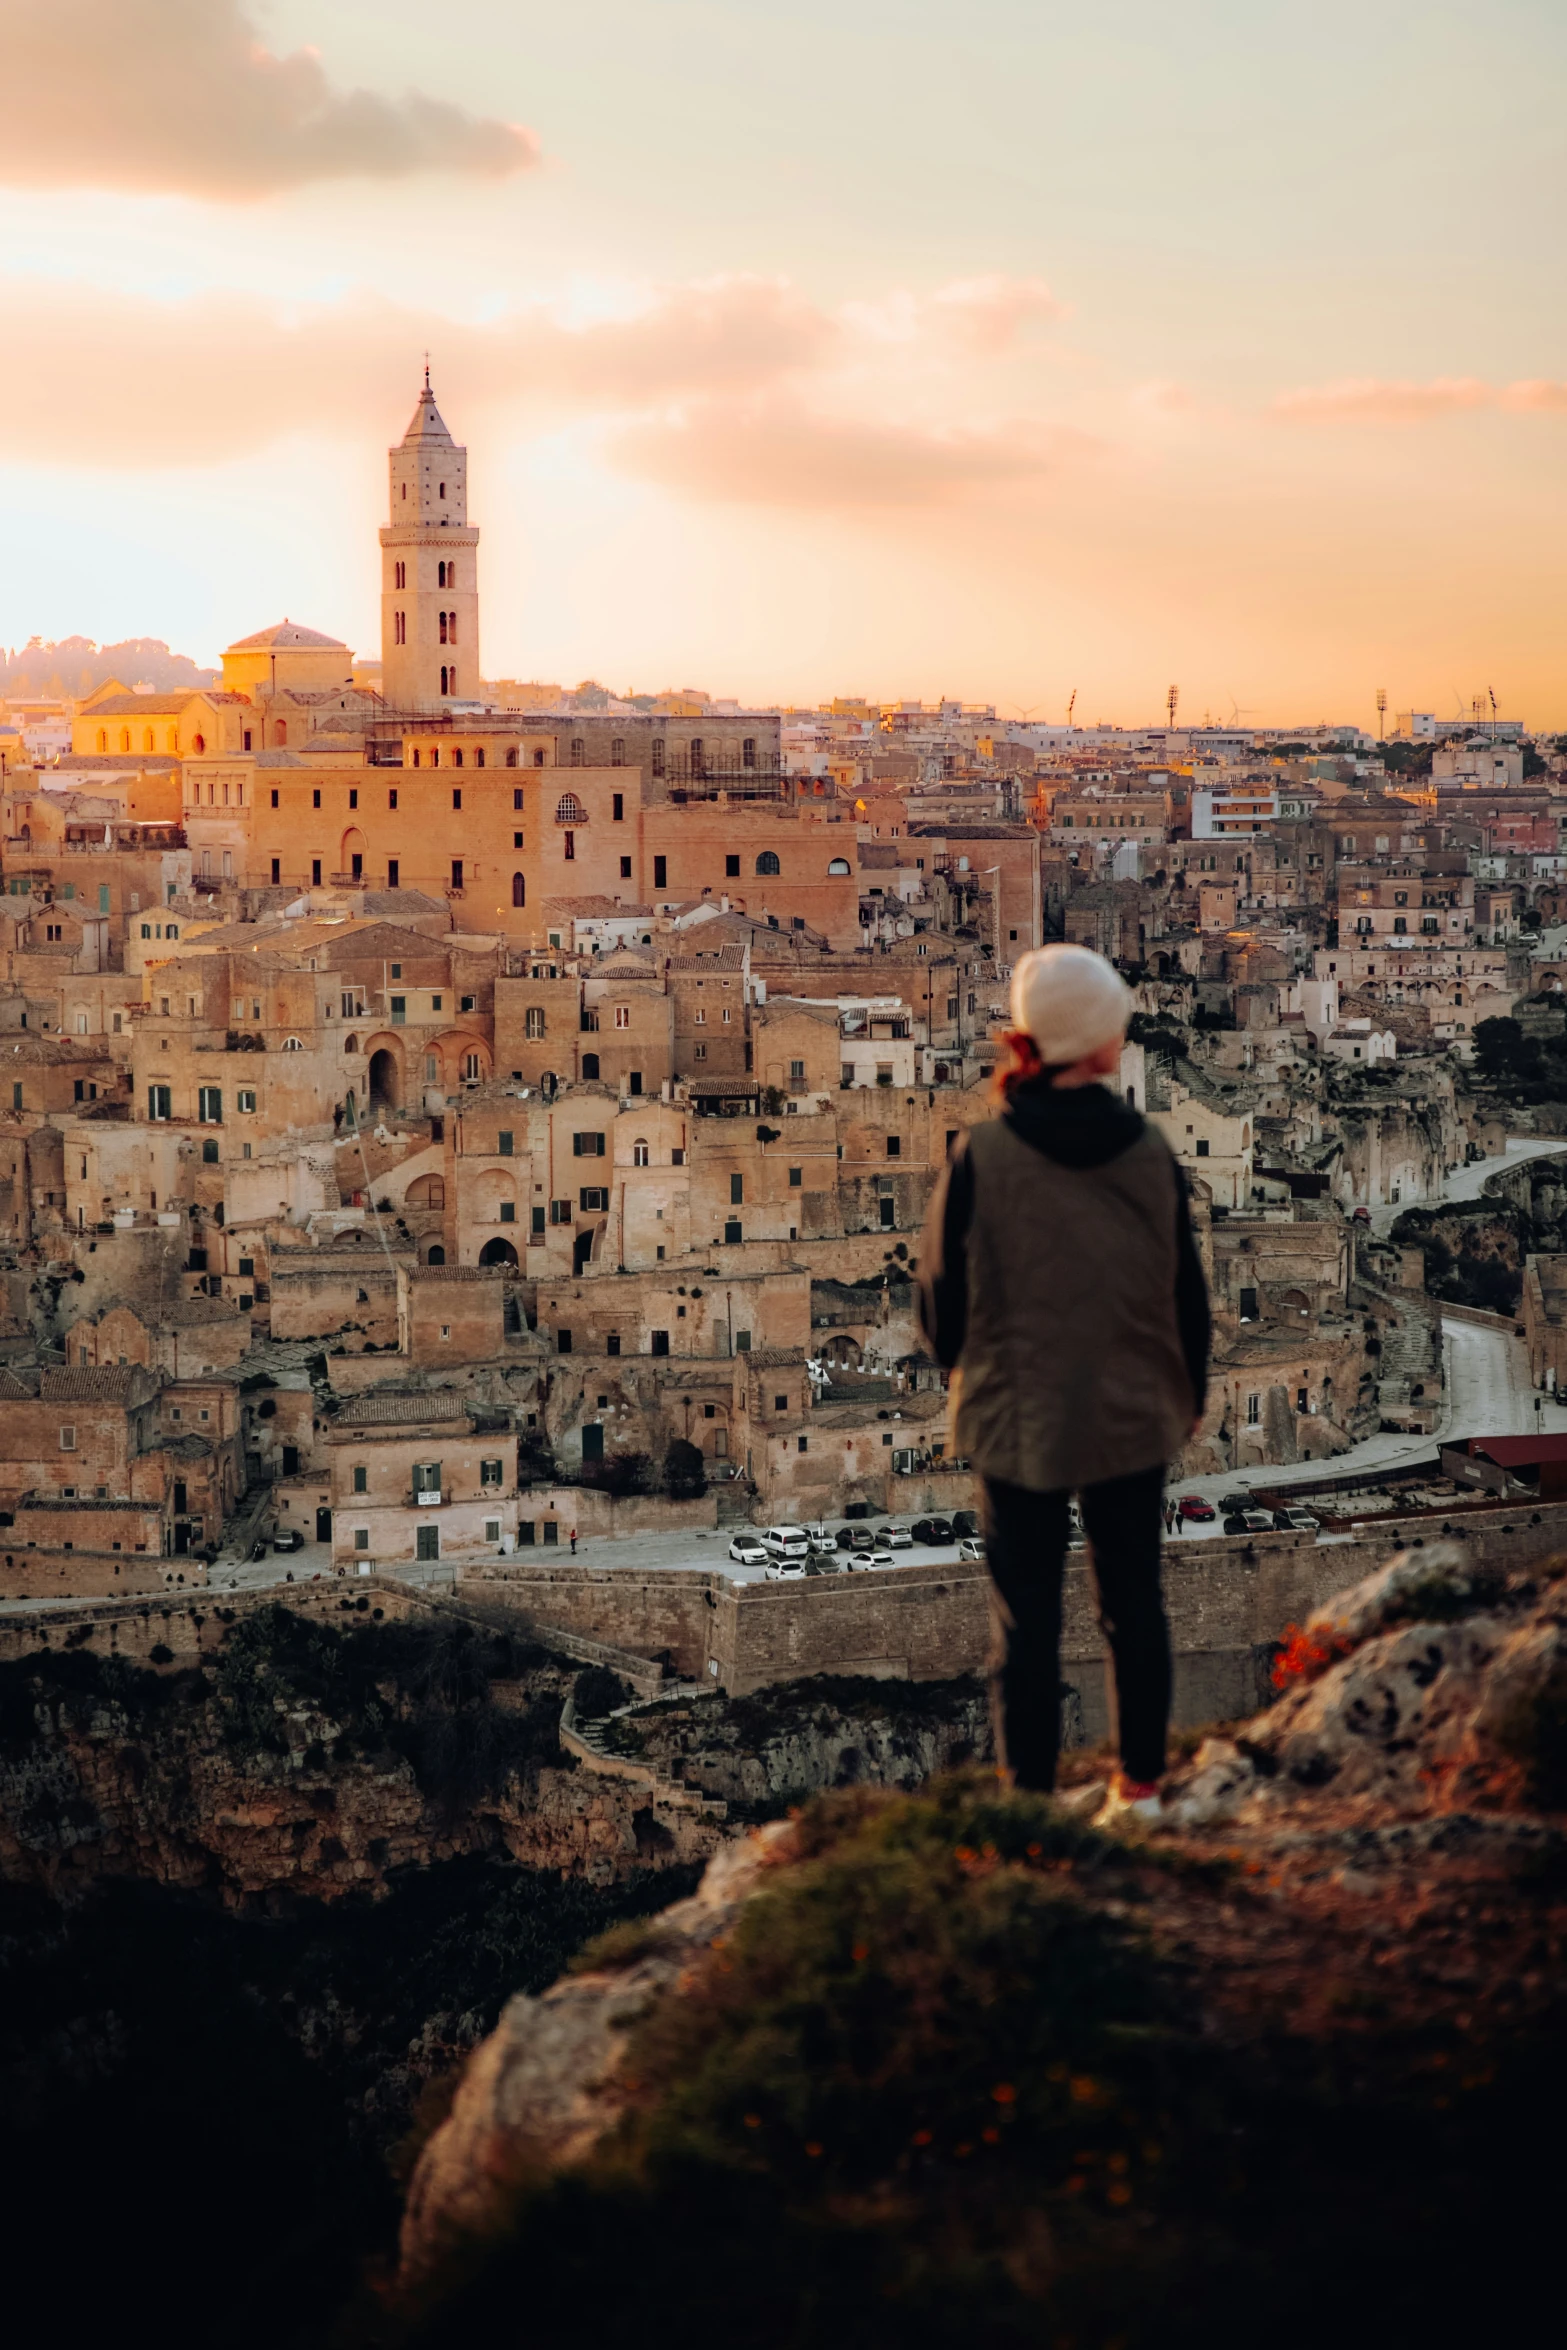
125	738
519	890
533	1021
416	758
291	1044
767	862
698	757
838	865
478	756
103	739
279	733
147	740
639	1156
457	756
448	681
199	745
617	751
590	1066
569	809
511	756
350	1044
435	748
441	616
440	581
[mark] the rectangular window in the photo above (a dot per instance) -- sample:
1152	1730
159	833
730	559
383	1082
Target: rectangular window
427	1542
659	1342
503	1142
391	799
393	870
732	1231
538	1221
457	797
560	1211
489	1472
732	868
563	1342
492	1529
660	872
456	872
67	1439
612	1343
742	1342
551	1533
894	1146
796	1072
617	808
592	1198
361	1478
1253	1410
587	1146
427	1476
315	873
245	1100
677	1158
315	799
889	1213
274	798
160	1102
362	1537
209	1101
795	1174
399	1010
1202	1146
353	799
516	797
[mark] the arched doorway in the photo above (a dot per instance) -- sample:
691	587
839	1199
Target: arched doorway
581	1251
383	1080
435	1254
498	1252
351	858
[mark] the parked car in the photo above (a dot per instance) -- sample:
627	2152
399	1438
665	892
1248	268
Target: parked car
861	1538
941	1531
1196	1511
893	1538
288	1538
971	1551
965	1524
821	1562
879	1557
1250	1522
786	1570
819	1533
748	1551
1295	1521
920	1530
1231	1504
786	1542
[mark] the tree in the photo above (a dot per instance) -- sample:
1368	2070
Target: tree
1501	1050
685	1472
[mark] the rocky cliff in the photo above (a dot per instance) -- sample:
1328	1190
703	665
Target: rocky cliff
960	2067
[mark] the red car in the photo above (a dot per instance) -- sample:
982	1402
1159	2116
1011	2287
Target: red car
1195	1510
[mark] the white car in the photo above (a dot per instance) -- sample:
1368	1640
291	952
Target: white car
894	1538
881	1556
786	1570
820	1534
971	1551
748	1551
787	1542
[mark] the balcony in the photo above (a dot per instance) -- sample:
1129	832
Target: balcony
424	1499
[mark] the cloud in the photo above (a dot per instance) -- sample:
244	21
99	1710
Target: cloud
986	313
774	451
1369	400
180	96
121	380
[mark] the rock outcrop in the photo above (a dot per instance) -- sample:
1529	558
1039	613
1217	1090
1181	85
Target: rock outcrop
1345	1929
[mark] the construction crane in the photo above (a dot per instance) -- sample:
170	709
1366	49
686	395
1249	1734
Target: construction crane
1071	706
1491	690
1171	699
1381	713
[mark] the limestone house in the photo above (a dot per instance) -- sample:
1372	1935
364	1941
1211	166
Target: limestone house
418	1478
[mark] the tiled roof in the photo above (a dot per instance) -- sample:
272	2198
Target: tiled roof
284	635
399	1408
90	1383
454	1273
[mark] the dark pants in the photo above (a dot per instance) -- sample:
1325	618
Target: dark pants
1025	1549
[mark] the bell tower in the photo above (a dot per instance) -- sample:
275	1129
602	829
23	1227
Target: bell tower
429	570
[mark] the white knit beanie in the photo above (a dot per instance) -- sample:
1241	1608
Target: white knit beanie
1070	1001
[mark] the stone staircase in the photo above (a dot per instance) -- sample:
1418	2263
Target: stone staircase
590	1742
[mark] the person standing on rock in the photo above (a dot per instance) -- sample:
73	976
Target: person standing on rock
1061	1285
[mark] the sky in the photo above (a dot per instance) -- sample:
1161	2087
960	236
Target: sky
1011	350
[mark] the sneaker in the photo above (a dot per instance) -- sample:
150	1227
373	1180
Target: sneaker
1130	1799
